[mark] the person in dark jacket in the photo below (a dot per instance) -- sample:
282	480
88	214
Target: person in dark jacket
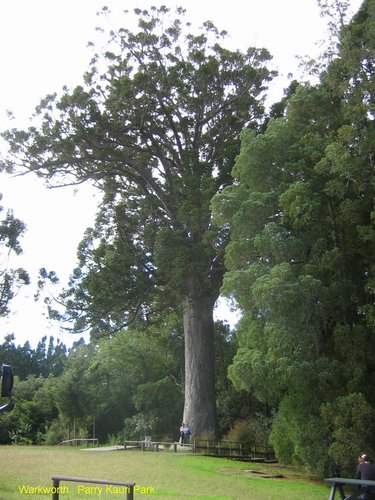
366	471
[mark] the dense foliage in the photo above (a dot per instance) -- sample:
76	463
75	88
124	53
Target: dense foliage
115	389
301	260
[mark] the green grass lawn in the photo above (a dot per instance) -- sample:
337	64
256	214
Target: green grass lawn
163	475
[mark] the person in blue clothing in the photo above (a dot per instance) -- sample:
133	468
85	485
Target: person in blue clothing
186	432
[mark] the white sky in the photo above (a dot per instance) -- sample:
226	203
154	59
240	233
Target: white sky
43	46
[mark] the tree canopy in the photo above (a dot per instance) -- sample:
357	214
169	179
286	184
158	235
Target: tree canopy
155	125
301	259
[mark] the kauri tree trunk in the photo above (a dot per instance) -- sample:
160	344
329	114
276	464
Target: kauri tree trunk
200	399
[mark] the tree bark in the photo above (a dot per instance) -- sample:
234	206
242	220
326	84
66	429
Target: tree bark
200	398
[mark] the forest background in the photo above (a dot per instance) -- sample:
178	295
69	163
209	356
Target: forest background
299	263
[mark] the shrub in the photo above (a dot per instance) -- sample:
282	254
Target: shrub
351	423
55	433
242	433
206	436
21	435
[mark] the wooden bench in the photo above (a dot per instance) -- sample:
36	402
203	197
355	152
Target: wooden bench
128	487
153	444
134	444
165	444
338	483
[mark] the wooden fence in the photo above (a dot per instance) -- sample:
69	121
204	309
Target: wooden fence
76	442
233	449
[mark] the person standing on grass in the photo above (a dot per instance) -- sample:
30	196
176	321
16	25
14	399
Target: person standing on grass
182	433
186	432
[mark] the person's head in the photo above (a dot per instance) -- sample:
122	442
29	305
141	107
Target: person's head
365	458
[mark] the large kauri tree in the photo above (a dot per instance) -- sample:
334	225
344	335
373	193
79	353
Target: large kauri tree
156	126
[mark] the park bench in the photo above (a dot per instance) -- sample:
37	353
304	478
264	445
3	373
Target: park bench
126	487
150	444
338	483
165	444
134	444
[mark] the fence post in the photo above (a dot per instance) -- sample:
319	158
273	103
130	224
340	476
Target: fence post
130	493
55	489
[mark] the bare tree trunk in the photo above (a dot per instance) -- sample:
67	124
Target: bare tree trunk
200	399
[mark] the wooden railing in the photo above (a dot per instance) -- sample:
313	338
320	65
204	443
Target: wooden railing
217	447
233	449
76	442
126	487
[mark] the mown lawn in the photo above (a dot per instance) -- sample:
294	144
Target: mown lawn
24	470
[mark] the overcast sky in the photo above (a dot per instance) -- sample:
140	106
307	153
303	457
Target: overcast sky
43	46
